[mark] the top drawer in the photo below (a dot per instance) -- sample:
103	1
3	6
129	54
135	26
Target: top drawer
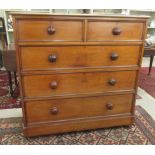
114	31
54	30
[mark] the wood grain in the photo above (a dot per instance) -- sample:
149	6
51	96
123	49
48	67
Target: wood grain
36	30
77	72
78	56
40	111
103	31
77	125
40	85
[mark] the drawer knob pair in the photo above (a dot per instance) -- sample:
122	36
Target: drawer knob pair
53	85
52	58
116	31
54	110
51	30
112	82
114	56
109	106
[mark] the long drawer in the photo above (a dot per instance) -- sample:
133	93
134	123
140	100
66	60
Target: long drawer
76	83
50	30
41	58
72	108
116	31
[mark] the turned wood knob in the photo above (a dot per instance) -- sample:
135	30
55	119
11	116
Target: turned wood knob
53	85
109	106
54	110
51	30
114	56
116	31
52	58
112	82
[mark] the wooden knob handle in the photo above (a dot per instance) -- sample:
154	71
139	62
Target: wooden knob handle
54	110
112	82
109	106
53	85
52	58
116	31
51	30
114	56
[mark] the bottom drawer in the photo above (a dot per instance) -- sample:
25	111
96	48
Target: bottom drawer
77	125
72	108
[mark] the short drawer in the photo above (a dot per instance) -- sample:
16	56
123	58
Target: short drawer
77	83
114	31
72	108
43	58
52	30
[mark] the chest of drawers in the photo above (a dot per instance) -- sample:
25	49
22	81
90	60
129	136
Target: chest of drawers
77	72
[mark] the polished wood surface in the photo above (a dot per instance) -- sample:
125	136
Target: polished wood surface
77	83
105	31
77	125
38	30
77	72
62	109
78	56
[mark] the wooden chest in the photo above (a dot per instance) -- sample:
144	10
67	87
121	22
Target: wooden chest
77	72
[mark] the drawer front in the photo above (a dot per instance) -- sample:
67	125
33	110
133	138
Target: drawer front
114	31
37	30
61	109
57	84
78	56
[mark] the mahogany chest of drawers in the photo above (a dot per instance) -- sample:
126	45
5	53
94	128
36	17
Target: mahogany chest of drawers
77	72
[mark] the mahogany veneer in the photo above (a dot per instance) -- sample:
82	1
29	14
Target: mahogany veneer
77	83
78	56
77	72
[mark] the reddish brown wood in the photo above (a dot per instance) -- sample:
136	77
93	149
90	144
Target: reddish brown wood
109	106
51	30
54	110
53	84
52	58
112	82
84	43
78	56
114	56
45	128
116	31
77	83
61	30
77	72
104	31
73	108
